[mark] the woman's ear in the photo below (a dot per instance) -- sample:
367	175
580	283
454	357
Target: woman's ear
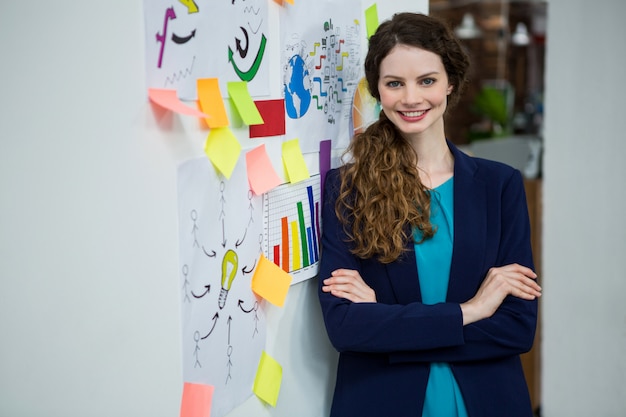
450	88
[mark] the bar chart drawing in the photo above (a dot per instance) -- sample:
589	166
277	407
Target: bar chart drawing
292	227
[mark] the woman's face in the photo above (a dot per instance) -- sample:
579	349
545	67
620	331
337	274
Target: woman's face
413	87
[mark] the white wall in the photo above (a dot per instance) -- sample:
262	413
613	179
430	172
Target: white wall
89	296
584	279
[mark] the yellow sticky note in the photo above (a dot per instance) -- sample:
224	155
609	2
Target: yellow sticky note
238	92
212	102
223	149
371	20
271	282
261	174
289	1
268	378
294	163
197	399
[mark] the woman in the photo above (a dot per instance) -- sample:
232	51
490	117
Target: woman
426	279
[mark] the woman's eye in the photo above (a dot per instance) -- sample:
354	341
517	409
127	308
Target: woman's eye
428	81
393	84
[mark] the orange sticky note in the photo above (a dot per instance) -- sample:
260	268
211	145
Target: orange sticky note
212	102
293	160
223	149
197	400
261	174
270	282
168	99
267	381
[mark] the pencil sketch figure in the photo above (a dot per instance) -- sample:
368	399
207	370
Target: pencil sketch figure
255	309
222	200
194	229
250	207
229	364
196	337
186	284
256	319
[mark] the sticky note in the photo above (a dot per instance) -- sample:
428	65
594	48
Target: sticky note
293	160
371	20
223	149
279	2
168	99
212	102
197	400
238	92
267	381
261	174
270	282
273	114
289	1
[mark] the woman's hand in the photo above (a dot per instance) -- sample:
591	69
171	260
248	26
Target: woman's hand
348	284
516	280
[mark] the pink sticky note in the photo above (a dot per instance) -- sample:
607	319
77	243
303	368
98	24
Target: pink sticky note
261	174
197	399
168	99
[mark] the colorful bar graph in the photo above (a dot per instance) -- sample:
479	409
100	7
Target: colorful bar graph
292	226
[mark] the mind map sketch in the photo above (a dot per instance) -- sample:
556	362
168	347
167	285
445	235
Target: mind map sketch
220	241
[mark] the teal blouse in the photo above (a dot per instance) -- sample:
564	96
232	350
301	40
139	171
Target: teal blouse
434	255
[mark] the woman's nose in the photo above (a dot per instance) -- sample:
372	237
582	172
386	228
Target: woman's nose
412	95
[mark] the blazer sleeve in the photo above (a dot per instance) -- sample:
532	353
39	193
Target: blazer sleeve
511	330
376	327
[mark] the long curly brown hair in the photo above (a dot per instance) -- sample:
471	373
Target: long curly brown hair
381	199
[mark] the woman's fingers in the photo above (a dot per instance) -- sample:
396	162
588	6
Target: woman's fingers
348	284
513	279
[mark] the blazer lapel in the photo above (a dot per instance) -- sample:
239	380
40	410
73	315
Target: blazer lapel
470	225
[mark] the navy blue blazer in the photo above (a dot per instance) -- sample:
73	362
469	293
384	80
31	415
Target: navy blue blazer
386	347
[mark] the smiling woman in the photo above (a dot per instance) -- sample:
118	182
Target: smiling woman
418	235
414	89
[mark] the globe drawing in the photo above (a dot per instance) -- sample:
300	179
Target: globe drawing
297	88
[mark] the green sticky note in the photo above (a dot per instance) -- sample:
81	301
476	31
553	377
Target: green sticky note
293	161
268	378
371	20
223	149
238	92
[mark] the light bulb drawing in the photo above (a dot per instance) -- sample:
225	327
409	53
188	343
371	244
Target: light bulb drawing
229	271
